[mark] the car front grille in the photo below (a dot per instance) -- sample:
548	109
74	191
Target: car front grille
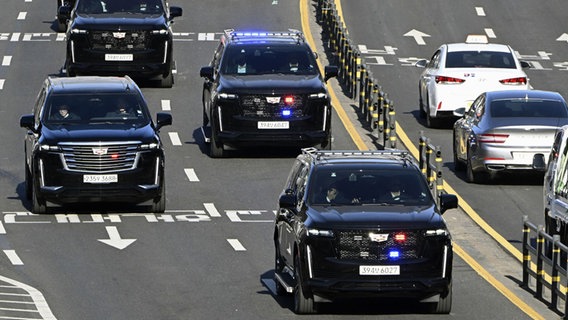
119	41
268	106
99	158
357	245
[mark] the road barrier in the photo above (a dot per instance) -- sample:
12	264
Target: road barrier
430	161
355	76
550	254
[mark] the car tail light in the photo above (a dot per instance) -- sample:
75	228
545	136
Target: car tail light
448	80
514	81
493	137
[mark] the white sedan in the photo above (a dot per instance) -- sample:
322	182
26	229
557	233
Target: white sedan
459	72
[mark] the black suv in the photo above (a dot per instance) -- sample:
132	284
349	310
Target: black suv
354	224
265	88
92	139
126	37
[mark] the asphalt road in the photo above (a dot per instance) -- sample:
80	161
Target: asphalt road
210	256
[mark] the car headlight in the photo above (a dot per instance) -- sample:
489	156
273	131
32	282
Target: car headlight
320	233
227	96
437	232
47	147
149	146
78	31
161	31
321	95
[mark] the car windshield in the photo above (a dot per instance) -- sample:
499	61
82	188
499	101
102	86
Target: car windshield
372	186
480	59
268	59
532	108
95	108
112	6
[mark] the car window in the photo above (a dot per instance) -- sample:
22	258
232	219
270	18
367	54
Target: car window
435	61
111	6
480	59
528	108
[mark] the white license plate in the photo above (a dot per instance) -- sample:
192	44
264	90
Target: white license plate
119	57
379	270
100	178
273	125
523	156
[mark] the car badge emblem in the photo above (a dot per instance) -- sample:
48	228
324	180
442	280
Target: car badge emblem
119	35
273	100
381	237
100	151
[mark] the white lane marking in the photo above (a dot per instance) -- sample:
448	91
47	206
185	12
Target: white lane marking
13	256
2	229
236	244
210	207
15	37
6	60
190	173
166	105
480	11
22	15
37	297
489	32
2	83
175	138
206	36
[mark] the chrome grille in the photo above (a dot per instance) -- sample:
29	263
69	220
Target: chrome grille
356	244
258	106
118	41
100	158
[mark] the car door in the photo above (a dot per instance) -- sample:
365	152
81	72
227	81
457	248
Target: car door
465	127
428	77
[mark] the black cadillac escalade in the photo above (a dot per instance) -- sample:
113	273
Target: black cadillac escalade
126	37
92	139
265	88
355	224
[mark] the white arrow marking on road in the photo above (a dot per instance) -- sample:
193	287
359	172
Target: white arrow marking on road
115	240
563	37
417	35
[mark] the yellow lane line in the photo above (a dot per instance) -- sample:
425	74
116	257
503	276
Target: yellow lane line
414	151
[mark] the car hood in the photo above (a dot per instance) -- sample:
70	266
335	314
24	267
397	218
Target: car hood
82	133
365	216
120	22
273	83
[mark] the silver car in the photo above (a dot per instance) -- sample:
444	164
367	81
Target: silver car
510	130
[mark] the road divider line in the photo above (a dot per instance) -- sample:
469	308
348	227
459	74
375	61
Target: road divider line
236	244
13	257
190	173
174	137
210	208
6	60
22	15
166	105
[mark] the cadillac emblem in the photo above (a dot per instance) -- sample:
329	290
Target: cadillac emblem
378	237
119	35
100	151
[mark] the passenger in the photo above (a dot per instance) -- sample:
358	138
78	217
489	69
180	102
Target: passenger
63	113
122	111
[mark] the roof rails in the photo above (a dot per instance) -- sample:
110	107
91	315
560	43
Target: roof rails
235	35
318	154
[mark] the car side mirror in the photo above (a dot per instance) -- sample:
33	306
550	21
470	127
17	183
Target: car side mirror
206	72
287	200
175	12
27	121
459	112
64	13
525	64
330	72
448	201
163	119
422	63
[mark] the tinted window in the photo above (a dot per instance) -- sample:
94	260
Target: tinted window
528	108
111	6
266	59
480	59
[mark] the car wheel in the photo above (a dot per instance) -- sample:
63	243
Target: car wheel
421	103
472	176
216	149
167	81
28	183
302	303
458	164
204	104
159	203
61	26
444	304
326	145
431	122
39	205
278	267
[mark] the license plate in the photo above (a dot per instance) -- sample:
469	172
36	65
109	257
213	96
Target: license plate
119	57
379	270
100	178
523	156
273	125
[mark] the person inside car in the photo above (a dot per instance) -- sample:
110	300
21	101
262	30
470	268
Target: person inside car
63	113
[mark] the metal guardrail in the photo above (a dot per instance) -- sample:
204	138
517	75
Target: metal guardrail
355	76
549	255
430	160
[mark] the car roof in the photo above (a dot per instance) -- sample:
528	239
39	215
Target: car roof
463	46
348	158
291	36
529	94
91	84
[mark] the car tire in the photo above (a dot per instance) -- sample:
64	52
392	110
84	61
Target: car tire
472	176
431	122
167	81
278	267
444	304
422	113
326	145
61	26
28	183
216	149
458	164
302	304
204	103
159	203
39	205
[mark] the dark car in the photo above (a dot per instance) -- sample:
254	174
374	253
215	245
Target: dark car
78	149
61	20
360	224
127	37
265	88
507	131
